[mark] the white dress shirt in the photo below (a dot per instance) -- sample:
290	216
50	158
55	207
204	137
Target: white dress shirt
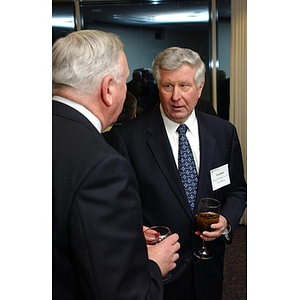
192	135
80	108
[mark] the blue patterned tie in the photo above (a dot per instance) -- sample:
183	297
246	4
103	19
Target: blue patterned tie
187	167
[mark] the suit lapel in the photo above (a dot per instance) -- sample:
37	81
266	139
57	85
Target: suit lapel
159	144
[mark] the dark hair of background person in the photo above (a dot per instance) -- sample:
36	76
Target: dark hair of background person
129	108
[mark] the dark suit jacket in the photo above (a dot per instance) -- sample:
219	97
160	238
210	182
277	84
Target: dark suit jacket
99	250
145	143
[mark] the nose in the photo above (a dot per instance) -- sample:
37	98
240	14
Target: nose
176	94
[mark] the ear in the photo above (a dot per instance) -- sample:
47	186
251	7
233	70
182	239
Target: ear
200	89
107	90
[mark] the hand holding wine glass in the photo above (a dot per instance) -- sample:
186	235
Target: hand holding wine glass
156	234
207	213
162	248
217	230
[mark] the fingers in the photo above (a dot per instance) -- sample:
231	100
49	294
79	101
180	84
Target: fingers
151	236
175	258
173	266
221	225
208	239
145	228
208	236
174	245
165	253
173	238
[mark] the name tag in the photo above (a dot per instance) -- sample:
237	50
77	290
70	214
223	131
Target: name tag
219	177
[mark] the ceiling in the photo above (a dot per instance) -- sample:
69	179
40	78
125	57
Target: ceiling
148	12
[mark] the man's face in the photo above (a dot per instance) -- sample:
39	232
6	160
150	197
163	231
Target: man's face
179	93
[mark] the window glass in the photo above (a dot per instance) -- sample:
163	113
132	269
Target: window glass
63	21
148	27
223	42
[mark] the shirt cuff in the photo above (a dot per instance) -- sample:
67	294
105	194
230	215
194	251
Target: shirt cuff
226	232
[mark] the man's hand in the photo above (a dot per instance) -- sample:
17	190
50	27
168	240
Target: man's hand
218	229
165	253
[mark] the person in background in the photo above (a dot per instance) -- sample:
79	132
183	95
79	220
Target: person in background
151	144
223	95
135	84
206	107
98	245
129	109
128	112
149	92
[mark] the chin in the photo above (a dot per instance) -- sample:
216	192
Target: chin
178	117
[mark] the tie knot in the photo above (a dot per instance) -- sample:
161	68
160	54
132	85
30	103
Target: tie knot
182	128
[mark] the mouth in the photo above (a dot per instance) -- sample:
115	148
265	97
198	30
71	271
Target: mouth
177	107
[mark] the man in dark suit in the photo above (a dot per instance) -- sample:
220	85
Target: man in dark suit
99	250
151	144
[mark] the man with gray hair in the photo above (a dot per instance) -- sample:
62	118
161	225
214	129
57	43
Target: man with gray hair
153	143
99	250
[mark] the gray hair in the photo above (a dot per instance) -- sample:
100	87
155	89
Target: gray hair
174	58
83	58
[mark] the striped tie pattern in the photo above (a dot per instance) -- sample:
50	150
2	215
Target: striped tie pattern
187	167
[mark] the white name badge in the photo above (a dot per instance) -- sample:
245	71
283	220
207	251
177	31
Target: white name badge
219	177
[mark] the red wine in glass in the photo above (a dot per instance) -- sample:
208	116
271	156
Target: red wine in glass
207	213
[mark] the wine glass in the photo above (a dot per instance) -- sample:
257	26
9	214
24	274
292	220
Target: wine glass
207	213
156	234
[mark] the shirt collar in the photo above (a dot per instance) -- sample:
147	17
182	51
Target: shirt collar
171	126
80	108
